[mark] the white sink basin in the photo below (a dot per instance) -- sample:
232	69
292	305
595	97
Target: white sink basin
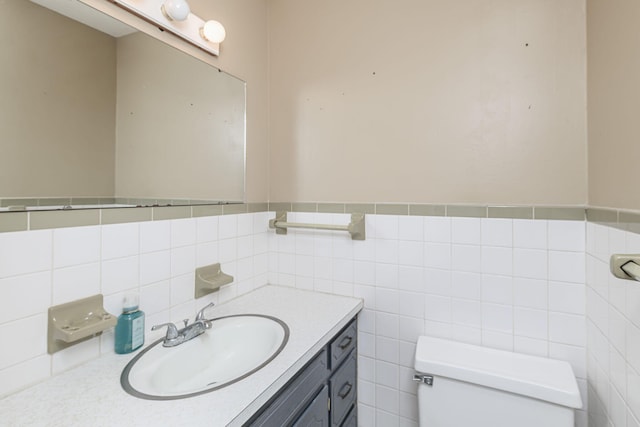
234	348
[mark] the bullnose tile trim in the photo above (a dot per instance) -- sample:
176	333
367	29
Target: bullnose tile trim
37	220
559	213
602	216
258	207
365	208
629	221
233	209
280	206
467	211
428	210
14	221
304	207
123	215
470	211
391	209
206	210
41	220
510	212
171	212
331	207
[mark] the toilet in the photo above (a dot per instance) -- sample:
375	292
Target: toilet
464	385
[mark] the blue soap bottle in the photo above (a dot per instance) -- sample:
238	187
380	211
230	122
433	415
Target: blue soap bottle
129	334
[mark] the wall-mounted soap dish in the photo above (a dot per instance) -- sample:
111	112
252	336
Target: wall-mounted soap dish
209	279
76	321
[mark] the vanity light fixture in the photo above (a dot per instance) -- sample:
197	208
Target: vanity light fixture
176	17
175	10
213	31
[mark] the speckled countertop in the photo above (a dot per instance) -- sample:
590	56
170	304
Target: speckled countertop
90	395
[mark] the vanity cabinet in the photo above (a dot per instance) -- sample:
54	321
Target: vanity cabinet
323	393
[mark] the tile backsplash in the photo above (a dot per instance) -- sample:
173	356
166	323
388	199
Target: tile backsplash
515	284
157	259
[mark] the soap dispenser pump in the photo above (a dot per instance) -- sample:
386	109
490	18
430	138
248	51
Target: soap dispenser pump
129	333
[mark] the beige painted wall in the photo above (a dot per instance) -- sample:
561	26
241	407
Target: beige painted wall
614	103
428	101
180	125
57	99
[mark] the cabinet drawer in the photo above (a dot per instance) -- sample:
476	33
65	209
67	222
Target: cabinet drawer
295	396
343	390
342	345
316	414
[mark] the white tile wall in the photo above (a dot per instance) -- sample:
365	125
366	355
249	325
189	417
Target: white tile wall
613	331
157	259
75	246
512	284
25	253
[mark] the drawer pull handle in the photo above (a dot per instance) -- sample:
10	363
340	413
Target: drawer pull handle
345	390
346	341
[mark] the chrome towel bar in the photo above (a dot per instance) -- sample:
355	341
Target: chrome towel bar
356	227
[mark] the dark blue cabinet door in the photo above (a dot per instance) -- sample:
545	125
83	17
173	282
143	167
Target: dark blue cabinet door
316	414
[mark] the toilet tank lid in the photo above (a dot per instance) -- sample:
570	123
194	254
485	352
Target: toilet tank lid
537	377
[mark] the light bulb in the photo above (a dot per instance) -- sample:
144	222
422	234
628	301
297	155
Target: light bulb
175	10
213	32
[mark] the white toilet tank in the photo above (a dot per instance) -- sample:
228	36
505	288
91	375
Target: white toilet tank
472	386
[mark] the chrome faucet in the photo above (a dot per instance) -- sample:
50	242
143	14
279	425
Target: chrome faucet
176	337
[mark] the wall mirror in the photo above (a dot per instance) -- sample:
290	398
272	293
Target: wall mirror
111	116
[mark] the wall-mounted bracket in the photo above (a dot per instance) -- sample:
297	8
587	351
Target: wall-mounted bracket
209	279
625	266
281	217
77	321
356	228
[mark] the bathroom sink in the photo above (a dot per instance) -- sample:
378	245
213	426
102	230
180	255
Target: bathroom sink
234	348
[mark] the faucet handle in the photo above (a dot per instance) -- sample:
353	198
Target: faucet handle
172	330
200	315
